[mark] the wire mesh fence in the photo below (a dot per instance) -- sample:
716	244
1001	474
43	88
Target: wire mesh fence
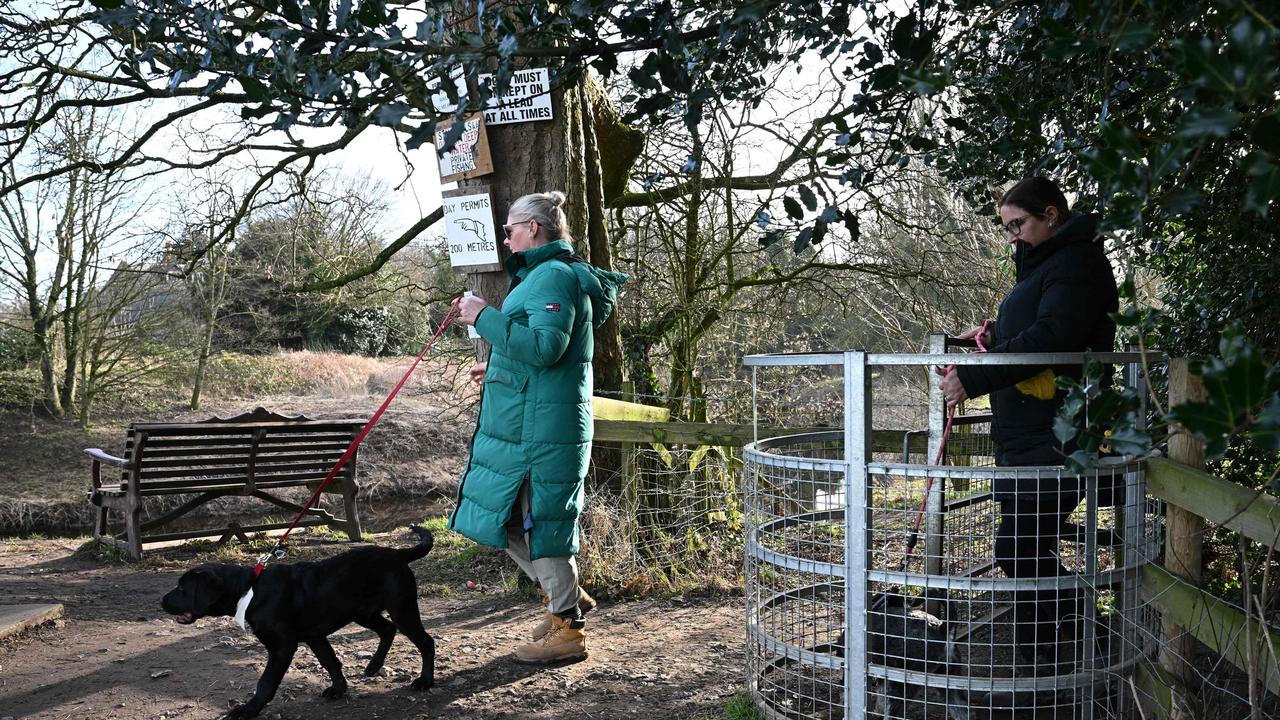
880	586
664	515
669	516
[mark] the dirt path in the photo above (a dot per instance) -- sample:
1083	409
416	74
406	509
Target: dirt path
117	655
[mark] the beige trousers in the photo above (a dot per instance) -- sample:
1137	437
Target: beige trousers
557	576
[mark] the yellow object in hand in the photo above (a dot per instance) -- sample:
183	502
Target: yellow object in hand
1039	386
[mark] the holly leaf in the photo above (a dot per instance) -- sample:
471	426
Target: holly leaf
803	240
1208	123
794	211
1129	441
1063	430
390	114
810	200
1266	430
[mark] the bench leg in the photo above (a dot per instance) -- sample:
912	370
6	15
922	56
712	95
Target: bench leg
133	527
100	523
233	531
352	512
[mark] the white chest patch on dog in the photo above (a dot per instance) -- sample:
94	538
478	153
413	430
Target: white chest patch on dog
241	608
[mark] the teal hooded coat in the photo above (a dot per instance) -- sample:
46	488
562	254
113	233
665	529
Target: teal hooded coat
535	411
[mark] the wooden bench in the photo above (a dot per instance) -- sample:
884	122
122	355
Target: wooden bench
255	454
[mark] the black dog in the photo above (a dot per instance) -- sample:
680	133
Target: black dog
306	602
907	637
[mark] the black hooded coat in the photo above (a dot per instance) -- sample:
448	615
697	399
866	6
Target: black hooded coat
1062	302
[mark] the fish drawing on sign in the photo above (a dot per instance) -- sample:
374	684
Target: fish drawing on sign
471	225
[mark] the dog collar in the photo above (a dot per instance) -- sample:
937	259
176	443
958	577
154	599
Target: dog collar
241	608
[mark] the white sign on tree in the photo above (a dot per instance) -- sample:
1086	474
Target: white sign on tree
527	99
469	228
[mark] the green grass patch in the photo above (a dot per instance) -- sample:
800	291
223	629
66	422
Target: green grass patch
739	707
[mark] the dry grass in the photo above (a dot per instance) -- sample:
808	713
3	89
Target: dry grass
331	374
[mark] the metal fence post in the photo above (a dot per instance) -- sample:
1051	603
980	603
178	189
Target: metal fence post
934	523
857	437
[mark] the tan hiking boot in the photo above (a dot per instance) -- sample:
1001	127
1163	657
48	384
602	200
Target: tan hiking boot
562	642
586	604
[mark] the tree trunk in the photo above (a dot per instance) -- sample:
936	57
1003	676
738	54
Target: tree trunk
206	346
48	373
559	155
72	339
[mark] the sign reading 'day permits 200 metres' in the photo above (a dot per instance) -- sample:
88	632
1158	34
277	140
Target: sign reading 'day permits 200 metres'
469	228
527	99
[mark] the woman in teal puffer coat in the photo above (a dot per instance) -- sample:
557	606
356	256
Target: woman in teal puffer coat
523	487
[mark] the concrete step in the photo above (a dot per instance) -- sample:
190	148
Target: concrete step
16	618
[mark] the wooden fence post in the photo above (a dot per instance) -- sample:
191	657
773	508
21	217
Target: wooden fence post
1184	543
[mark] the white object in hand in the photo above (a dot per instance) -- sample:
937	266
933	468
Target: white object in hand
471	329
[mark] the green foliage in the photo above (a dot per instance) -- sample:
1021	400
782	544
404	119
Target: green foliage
1240	412
361	331
1242	398
17	349
20	388
1099	417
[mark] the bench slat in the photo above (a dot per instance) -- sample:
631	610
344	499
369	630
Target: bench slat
193	440
151	462
276	472
173	487
166	429
187	450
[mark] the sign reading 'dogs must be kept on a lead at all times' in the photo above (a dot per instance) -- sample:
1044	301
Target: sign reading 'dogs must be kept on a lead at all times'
528	99
469	228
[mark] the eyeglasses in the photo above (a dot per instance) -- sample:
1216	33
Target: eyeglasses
507	228
1014	226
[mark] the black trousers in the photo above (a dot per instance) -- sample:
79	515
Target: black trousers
1026	546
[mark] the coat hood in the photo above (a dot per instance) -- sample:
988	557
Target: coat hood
1080	227
600	285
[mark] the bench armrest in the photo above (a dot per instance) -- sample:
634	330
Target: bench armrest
102	457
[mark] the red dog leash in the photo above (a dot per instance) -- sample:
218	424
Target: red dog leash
942	449
278	550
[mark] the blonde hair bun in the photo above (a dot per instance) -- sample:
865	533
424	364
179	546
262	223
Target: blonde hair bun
548	209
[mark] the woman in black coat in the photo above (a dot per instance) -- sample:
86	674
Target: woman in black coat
1062	302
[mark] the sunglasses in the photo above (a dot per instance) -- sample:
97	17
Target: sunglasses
507	228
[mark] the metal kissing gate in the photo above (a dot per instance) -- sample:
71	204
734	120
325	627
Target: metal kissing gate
843	621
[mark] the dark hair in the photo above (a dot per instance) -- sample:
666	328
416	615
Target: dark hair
1035	195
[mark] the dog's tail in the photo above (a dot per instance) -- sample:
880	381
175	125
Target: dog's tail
425	541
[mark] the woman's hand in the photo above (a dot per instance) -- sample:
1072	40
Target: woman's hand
977	330
951	388
469	308
477	372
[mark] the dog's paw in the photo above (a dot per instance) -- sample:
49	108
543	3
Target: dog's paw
422	683
335	691
240	712
374	668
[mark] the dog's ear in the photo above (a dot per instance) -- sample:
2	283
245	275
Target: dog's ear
206	588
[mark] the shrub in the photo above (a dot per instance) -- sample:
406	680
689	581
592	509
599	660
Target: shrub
17	350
